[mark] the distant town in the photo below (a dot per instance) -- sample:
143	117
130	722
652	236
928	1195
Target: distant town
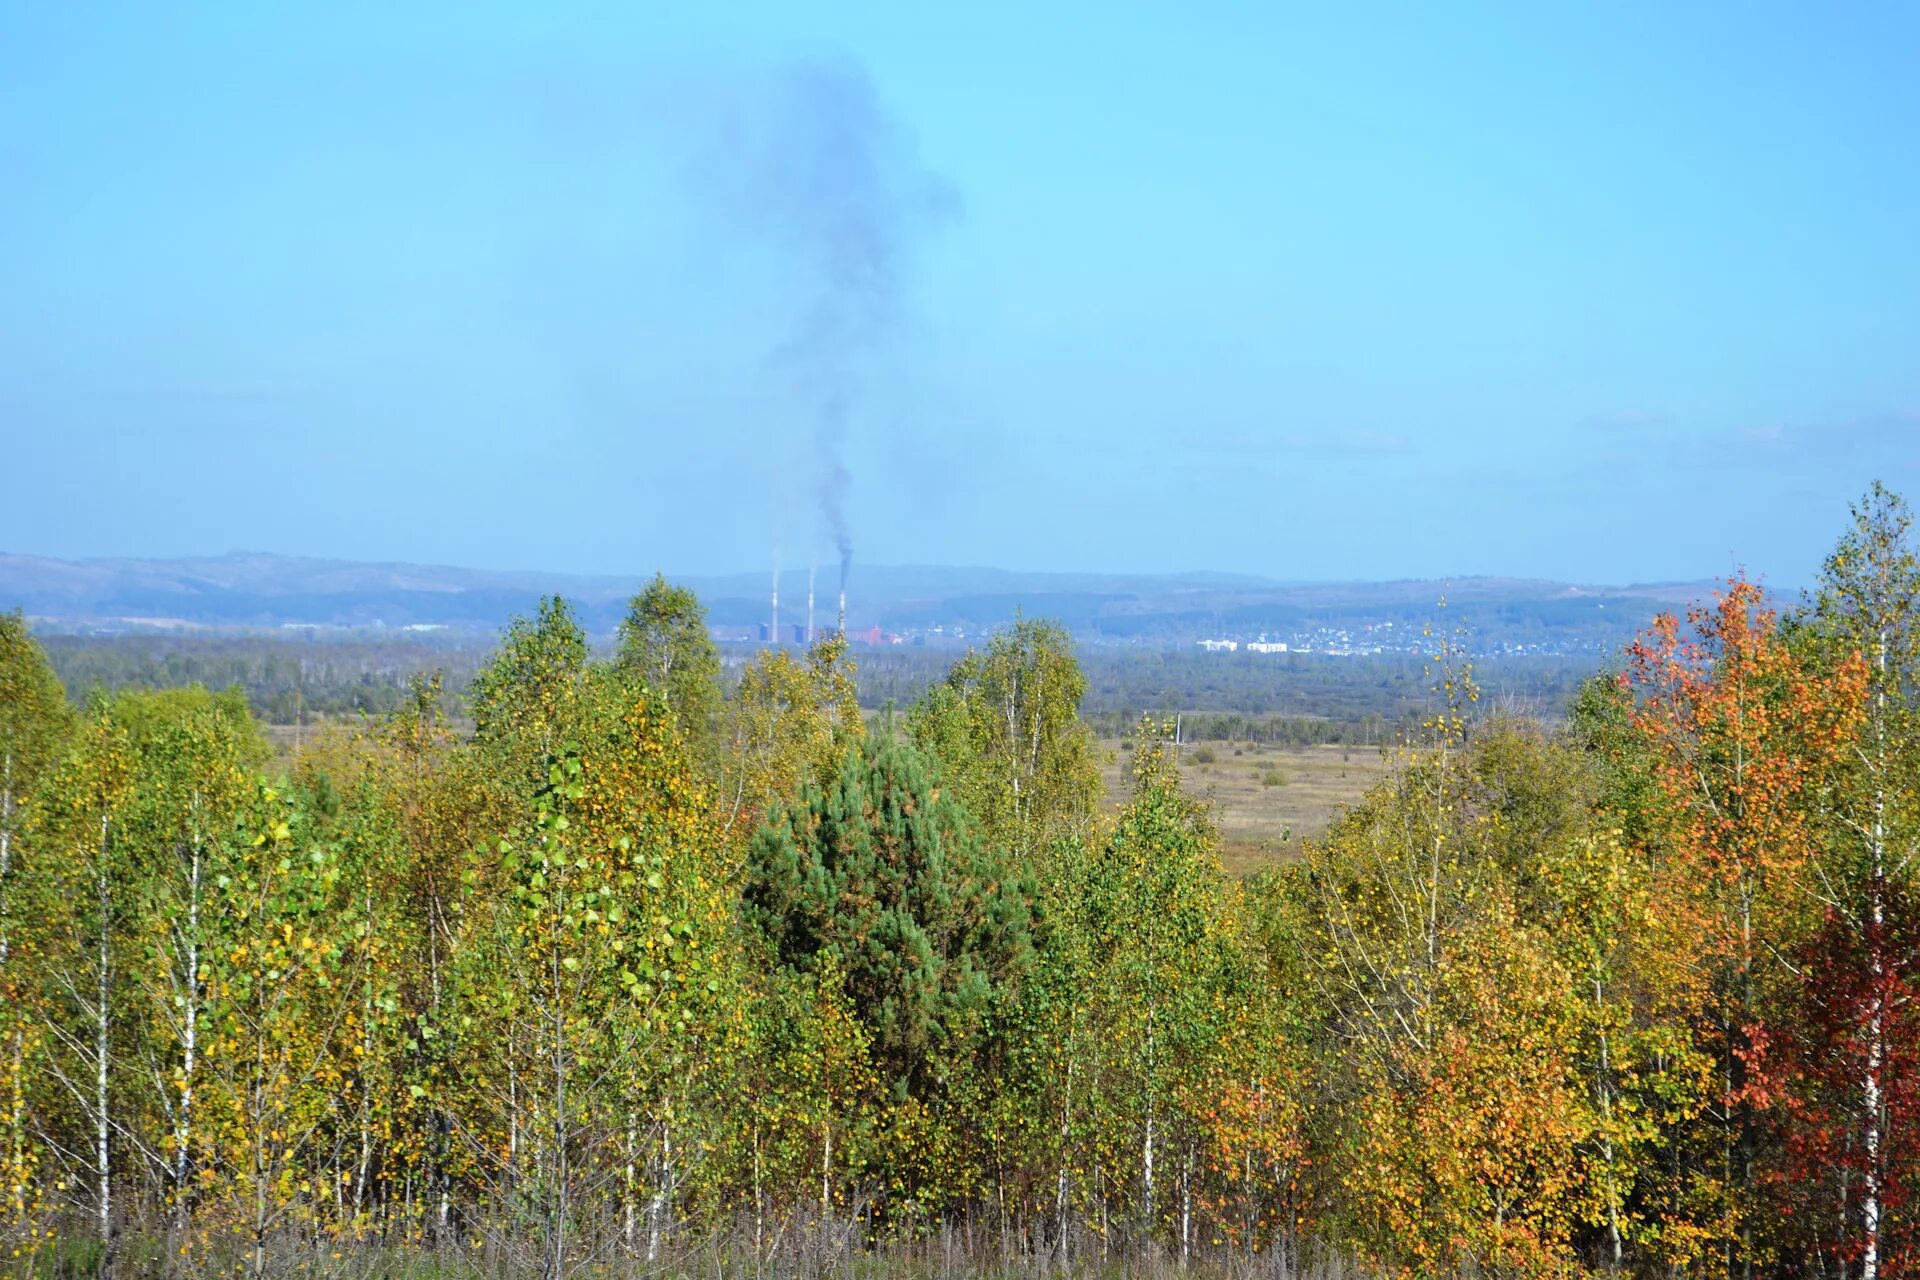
1385	637
1374	639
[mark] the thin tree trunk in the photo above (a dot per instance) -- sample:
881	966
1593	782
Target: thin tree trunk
17	1127
1146	1175
1146	1141
1603	1087
1066	1127
102	1131
1871	1140
557	1198
629	1177
663	1190
1186	1208
1870	1092
826	1169
190	1044
16	1116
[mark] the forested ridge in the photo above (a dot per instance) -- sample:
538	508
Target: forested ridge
652	971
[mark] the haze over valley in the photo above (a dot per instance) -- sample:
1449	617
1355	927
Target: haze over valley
892	604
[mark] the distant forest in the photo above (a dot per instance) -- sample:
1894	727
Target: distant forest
1296	698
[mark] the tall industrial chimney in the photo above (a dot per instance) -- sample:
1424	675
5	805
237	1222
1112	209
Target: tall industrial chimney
773	627
809	606
846	563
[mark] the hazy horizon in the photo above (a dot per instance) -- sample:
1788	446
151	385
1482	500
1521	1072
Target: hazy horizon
825	571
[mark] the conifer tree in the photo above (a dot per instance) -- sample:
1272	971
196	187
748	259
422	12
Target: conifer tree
929	930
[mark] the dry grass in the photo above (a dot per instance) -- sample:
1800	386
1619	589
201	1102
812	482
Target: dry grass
1266	799
283	739
792	1251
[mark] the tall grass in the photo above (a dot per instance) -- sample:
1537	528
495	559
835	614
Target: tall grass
793	1249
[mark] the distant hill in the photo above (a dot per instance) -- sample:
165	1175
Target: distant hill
252	590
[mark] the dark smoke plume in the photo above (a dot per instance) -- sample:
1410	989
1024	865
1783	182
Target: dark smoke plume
810	161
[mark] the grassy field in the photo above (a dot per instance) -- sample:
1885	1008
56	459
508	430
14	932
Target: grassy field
1266	799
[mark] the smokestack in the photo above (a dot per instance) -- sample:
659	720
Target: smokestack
773	627
809	606
846	563
811	165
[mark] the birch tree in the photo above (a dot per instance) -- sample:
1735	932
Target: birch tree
1864	612
35	722
84	895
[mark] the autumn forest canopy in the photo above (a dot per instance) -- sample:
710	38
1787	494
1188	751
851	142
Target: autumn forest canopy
630	969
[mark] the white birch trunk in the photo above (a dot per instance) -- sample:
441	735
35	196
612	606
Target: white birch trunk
102	1131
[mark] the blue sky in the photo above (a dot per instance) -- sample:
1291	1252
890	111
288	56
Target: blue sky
1609	293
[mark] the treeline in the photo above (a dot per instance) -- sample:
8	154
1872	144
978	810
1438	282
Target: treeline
1323	686
1125	683
646	975
1278	730
286	679
1283	698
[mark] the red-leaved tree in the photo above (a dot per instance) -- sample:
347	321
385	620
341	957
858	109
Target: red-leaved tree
1808	1066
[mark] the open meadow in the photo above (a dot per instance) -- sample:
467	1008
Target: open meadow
1266	798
